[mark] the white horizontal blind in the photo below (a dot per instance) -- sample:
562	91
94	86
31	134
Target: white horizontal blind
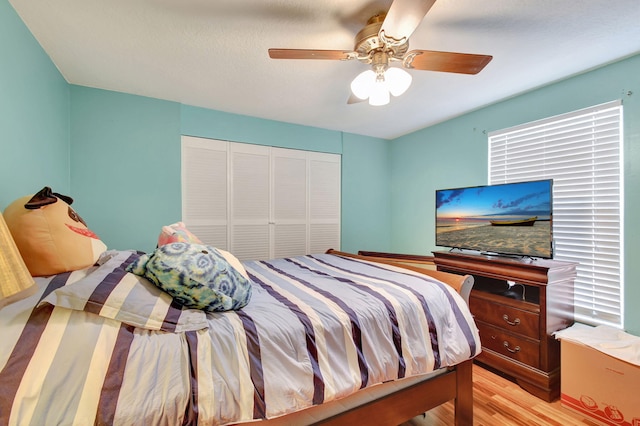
582	152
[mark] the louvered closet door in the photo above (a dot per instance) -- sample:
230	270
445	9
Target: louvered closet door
324	202
289	207
204	189
260	202
250	201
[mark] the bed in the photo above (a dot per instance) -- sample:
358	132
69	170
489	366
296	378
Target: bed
326	338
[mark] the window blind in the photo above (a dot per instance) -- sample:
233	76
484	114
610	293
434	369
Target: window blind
582	152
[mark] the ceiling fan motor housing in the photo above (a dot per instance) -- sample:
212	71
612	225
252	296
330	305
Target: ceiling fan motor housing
368	42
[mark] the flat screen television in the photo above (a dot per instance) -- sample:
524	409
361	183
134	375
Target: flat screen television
506	219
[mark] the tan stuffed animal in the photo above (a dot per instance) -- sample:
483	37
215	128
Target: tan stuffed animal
51	236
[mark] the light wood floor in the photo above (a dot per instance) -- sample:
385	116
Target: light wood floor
498	401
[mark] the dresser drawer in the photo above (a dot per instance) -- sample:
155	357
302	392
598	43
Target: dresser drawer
506	317
510	345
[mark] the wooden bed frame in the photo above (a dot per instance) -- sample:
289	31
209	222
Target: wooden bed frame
456	384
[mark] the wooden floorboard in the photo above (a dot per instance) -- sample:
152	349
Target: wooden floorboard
498	401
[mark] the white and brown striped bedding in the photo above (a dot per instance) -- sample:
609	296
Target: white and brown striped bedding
317	328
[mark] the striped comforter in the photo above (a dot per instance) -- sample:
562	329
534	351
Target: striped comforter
317	328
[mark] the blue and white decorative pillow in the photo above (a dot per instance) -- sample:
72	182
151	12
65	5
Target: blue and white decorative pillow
197	276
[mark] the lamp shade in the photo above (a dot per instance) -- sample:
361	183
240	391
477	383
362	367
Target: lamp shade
15	280
379	94
362	85
398	80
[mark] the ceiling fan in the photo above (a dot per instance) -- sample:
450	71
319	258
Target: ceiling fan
383	40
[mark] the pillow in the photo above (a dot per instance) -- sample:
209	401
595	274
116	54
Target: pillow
51	236
233	261
113	293
176	233
196	275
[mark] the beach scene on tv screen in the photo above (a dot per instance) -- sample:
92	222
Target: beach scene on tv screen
507	219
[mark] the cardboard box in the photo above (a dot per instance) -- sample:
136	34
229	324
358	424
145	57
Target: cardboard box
599	386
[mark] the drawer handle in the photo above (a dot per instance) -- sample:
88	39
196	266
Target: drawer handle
515	322
514	350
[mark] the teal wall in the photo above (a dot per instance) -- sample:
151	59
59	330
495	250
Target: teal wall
212	124
125	165
366	213
448	155
454	153
34	114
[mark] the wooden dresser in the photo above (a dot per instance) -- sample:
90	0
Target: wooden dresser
516	325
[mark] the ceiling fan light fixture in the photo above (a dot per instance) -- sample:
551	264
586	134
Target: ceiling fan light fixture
362	85
379	93
398	80
377	87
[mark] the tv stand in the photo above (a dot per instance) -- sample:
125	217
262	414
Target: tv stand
516	328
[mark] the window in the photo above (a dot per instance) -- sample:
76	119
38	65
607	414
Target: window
582	152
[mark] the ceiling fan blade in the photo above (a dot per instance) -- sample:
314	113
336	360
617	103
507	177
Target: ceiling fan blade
402	19
430	60
342	55
353	99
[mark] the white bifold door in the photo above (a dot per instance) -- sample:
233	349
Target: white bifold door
260	202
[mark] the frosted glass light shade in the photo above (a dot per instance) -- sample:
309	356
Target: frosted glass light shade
379	94
394	81
15	280
398	80
361	86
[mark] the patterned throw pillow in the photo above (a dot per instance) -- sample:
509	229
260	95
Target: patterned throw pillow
178	233
196	276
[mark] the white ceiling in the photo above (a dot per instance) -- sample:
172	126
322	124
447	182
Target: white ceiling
213	53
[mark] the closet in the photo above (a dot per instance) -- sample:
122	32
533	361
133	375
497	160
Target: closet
260	202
